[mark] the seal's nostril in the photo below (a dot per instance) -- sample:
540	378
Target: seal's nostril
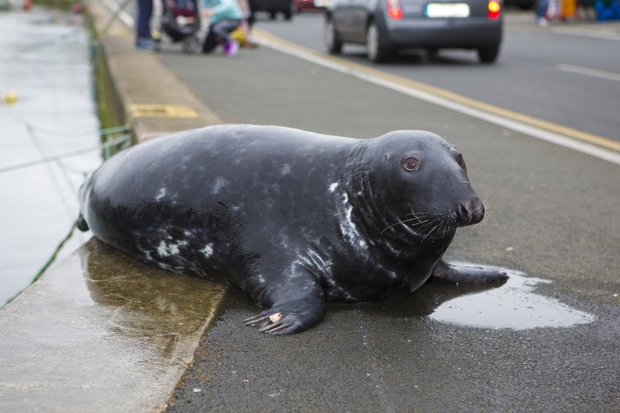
470	212
463	212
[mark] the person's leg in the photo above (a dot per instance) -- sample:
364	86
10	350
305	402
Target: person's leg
223	28
145	10
541	12
210	41
143	26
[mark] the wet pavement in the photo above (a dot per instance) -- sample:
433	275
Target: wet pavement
46	64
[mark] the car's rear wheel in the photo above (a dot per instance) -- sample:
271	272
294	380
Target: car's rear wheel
488	55
333	44
374	50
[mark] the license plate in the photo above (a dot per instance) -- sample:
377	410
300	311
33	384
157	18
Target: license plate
439	10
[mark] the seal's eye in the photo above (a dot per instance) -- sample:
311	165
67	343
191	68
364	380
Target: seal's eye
411	164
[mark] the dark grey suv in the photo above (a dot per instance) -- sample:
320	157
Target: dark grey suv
387	26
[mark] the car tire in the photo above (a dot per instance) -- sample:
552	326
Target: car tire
374	50
288	14
488	55
333	44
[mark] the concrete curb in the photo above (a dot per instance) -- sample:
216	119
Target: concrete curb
154	102
100	332
138	78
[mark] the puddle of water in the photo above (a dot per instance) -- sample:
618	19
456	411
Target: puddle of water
515	306
46	63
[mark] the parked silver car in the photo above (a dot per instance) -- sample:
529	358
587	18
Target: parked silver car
387	26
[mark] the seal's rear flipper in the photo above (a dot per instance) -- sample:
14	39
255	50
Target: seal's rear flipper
81	223
468	274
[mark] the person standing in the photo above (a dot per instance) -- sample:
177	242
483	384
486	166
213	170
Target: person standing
144	40
224	17
541	12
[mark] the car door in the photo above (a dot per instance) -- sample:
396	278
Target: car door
341	12
360	11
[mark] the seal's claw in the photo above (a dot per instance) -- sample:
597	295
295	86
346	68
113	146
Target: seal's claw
263	319
288	318
259	320
274	322
273	328
286	325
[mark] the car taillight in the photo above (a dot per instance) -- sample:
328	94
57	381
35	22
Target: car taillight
494	10
394	10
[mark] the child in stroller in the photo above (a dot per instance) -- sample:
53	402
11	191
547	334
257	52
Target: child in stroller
180	21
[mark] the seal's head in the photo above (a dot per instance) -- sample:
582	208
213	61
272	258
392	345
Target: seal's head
423	181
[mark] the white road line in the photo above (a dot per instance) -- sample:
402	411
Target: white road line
589	72
597	34
363	73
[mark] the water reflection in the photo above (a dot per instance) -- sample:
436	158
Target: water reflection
145	303
515	305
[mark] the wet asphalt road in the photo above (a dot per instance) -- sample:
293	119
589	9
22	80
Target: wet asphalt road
552	214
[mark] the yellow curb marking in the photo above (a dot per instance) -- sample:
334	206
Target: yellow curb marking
161	111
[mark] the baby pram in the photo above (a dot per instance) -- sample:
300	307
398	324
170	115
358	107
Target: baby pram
180	21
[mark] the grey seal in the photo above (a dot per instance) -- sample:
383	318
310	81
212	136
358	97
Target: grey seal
294	219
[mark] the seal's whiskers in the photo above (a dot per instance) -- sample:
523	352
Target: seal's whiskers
425	223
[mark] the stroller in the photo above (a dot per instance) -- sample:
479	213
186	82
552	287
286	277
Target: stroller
180	21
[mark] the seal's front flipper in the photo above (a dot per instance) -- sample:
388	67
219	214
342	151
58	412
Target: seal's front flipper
295	315
469	274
